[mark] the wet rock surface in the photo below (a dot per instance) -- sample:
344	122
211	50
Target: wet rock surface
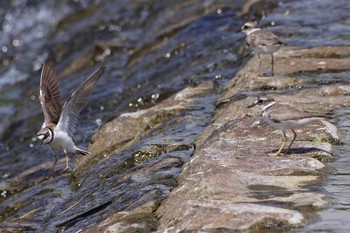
231	174
135	125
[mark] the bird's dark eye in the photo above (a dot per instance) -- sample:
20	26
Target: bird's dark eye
260	101
245	27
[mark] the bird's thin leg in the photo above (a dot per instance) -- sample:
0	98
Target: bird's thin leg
284	140
294	137
67	161
272	64
259	65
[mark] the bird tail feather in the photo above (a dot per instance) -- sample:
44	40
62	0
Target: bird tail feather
81	151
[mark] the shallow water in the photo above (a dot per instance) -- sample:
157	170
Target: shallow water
336	185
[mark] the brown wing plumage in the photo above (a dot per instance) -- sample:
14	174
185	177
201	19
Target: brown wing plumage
50	94
260	38
286	112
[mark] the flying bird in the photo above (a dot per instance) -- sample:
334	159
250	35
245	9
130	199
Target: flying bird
60	121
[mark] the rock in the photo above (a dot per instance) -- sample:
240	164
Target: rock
230	183
226	216
134	125
293	60
140	219
288	61
231	168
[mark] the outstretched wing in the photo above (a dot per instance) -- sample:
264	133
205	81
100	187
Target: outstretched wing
50	94
73	106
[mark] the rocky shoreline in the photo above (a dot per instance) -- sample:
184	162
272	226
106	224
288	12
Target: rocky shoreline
174	146
230	183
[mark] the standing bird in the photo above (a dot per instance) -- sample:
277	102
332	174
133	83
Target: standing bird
261	42
60	122
283	117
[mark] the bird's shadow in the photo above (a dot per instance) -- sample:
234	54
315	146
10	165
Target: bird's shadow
310	150
268	74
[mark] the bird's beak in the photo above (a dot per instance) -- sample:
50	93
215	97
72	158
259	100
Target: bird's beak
41	138
239	30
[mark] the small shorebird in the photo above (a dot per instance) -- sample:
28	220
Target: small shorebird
283	117
261	42
60	122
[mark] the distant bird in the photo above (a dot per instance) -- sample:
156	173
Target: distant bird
283	117
60	122
261	42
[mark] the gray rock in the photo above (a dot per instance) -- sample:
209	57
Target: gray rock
230	184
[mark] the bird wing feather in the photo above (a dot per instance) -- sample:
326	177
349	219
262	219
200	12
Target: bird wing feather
50	94
260	37
73	106
286	112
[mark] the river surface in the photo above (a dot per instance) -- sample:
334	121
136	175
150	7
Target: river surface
151	49
336	185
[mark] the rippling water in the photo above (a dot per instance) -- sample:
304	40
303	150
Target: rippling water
335	218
